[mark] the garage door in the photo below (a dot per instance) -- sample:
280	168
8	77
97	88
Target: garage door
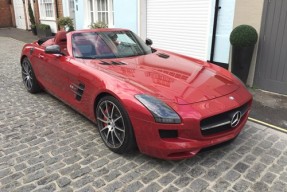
181	26
271	67
19	14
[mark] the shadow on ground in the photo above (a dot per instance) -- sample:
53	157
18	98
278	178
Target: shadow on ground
269	107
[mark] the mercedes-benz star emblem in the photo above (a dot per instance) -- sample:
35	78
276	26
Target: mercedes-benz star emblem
235	119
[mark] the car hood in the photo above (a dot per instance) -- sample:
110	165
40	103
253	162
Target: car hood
171	77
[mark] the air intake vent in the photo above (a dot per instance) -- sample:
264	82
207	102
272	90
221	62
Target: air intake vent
162	55
112	63
168	133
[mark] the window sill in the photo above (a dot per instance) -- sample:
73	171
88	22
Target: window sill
48	19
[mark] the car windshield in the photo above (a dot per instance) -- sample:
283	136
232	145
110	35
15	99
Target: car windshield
110	44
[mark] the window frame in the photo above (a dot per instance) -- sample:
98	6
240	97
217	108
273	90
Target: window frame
94	11
43	10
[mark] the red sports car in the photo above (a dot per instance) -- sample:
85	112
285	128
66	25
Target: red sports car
168	105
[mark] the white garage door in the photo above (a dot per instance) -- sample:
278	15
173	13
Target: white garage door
19	14
181	26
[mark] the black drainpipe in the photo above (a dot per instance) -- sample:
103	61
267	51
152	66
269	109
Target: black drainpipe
57	13
216	9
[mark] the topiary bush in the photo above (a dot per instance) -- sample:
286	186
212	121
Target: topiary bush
66	22
243	36
43	26
44	30
31	14
32	19
98	25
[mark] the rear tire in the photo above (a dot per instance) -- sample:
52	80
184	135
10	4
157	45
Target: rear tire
29	78
114	125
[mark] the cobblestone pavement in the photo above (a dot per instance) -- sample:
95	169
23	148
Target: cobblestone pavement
46	146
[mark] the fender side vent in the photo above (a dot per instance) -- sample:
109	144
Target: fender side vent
162	55
78	90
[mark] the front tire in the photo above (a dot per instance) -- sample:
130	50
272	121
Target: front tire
28	76
114	125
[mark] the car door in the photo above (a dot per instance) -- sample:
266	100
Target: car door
55	78
37	63
70	81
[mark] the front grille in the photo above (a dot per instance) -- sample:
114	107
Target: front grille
221	122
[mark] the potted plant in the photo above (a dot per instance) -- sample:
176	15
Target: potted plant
44	30
32	19
66	23
98	24
243	39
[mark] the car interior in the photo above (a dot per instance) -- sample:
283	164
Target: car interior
82	46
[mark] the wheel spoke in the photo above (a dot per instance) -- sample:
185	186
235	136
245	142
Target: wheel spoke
103	112
29	83
118	137
113	140
25	73
107	109
26	82
107	136
117	118
106	127
112	112
117	128
26	67
100	119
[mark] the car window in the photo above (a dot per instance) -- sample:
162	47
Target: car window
125	39
110	44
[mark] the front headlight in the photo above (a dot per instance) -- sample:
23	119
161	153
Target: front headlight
161	112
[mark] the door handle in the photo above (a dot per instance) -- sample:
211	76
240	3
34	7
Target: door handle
41	56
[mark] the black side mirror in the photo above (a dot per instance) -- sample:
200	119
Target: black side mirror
148	42
53	49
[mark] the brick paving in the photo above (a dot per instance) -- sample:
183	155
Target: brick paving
47	146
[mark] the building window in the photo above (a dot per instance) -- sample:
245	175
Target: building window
102	11
47	9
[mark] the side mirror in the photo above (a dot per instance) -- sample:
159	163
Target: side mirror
53	49
148	42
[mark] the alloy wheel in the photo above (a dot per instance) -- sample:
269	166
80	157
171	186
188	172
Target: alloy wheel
27	74
111	124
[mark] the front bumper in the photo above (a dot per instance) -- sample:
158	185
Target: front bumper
189	140
152	144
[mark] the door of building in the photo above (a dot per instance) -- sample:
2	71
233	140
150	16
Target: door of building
19	14
181	26
271	66
72	11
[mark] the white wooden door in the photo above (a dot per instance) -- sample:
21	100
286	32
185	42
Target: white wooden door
19	14
181	26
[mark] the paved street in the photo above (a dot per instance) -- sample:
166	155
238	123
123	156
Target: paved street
47	146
